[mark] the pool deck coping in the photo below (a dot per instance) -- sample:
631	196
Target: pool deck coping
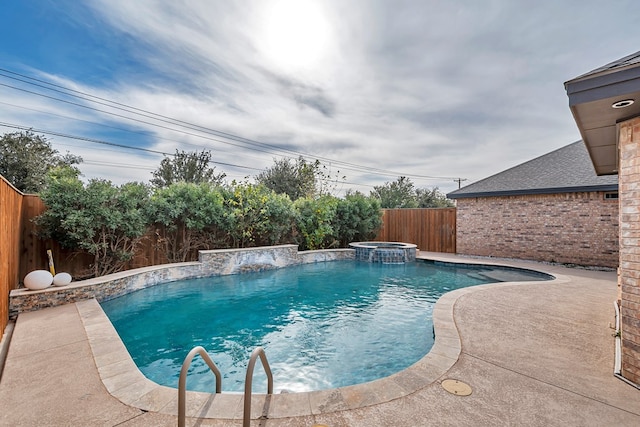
127	383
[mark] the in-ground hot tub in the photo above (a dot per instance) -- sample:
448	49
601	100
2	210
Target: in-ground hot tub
385	252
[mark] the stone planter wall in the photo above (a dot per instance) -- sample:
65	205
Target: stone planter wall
211	263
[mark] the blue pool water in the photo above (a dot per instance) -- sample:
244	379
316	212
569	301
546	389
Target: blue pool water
322	325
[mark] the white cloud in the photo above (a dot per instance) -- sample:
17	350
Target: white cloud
459	89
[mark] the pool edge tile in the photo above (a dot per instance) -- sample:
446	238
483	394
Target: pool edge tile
426	371
324	401
223	406
285	405
155	399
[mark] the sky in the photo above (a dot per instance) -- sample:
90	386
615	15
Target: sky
438	91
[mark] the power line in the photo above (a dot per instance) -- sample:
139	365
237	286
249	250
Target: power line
134	110
150	114
124	117
129	108
113	144
114	164
144	133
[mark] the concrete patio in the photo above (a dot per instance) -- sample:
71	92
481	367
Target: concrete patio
535	354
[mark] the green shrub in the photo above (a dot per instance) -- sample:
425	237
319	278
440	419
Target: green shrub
191	217
358	218
102	219
257	216
109	222
314	219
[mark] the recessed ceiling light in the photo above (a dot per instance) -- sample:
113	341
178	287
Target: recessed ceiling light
622	104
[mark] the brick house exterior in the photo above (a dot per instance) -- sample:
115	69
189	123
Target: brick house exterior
570	228
553	208
629	143
605	104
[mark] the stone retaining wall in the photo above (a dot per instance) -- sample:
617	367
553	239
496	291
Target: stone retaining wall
211	263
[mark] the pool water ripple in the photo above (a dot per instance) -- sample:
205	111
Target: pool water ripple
322	325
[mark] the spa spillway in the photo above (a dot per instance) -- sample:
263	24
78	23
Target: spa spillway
385	252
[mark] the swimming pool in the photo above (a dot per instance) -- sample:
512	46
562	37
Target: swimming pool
322	325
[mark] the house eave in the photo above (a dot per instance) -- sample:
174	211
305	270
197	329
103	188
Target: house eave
591	100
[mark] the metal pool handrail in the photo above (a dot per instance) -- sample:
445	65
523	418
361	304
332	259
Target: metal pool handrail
182	382
258	352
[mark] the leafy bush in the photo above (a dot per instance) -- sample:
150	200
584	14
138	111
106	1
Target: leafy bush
191	217
257	215
314	219
109	222
358	218
104	220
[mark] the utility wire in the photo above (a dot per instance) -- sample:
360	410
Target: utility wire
114	164
134	110
125	117
137	132
113	144
128	118
188	125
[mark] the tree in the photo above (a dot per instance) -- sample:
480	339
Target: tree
25	159
401	193
295	178
397	194
190	167
432	198
104	220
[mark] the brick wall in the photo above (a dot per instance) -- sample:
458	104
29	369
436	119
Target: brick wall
629	172
573	228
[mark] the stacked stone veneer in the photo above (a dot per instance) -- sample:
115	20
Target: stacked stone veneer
572	228
211	263
385	252
629	175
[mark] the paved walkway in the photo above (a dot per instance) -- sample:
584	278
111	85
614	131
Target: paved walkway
537	354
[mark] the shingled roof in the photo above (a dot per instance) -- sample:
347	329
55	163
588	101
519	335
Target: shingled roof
565	170
629	60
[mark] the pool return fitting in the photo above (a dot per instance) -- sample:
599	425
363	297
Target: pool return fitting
182	381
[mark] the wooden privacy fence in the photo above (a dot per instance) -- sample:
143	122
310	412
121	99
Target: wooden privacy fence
34	249
10	233
432	230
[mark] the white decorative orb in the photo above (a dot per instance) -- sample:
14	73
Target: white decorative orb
61	279
38	279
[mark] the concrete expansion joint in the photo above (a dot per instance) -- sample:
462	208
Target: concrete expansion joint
142	412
